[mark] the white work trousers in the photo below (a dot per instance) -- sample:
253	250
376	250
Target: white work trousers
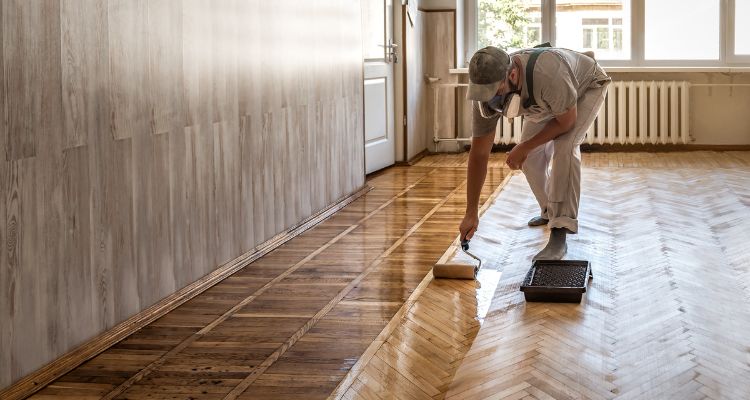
553	170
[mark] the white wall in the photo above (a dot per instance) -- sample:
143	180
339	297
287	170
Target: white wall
718	115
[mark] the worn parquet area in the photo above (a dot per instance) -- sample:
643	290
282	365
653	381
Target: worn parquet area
666	316
291	324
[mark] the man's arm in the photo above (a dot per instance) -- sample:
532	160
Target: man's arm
554	128
479	156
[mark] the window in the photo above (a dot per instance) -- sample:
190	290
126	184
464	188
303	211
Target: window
690	33
594	25
742	27
670	33
509	24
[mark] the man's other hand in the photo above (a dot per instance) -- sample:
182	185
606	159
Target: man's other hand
517	156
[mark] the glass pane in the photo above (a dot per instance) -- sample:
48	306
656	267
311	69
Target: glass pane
602	35
589	25
617	39
373	28
682	29
742	27
509	24
588	37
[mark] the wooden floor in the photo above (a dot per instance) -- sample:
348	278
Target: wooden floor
666	316
349	308
291	324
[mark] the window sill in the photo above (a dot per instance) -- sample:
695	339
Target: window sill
462	71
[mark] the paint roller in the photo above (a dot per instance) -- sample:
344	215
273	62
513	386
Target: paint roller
458	270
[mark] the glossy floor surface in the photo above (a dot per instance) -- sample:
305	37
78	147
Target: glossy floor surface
349	308
292	324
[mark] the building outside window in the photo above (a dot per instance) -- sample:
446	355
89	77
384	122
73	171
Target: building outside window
602	26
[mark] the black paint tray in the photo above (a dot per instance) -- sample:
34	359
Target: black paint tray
557	281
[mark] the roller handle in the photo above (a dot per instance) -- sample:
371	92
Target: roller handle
465	244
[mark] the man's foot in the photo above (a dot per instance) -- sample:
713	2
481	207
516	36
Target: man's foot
538	221
556	246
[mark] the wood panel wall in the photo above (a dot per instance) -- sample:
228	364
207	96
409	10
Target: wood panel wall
430	52
417	94
146	142
438	56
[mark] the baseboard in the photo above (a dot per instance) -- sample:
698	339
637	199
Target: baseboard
42	377
656	148
414	159
639	148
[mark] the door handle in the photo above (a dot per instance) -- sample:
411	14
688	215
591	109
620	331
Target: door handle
390	51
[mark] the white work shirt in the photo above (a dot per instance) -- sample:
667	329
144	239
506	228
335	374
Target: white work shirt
561	77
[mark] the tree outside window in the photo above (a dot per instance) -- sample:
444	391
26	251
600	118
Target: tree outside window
509	24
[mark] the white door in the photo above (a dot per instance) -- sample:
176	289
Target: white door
379	57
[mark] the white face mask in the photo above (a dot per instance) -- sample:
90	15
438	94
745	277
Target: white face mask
512	106
509	105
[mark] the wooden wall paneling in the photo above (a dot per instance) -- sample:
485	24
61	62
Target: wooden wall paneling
192	32
84	56
41	189
183	264
341	163
205	187
257	162
438	56
417	93
7	229
278	166
9	254
249	57
224	23
118	183
146	142
142	212
167	118
247	78
305	169
22	77
77	306
6	272
165	82
30	300
313	137
227	194
151	237
86	105
247	226
293	151
266	168
226	129
151	197
3	126
328	126
128	56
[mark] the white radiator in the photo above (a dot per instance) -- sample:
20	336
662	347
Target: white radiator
635	112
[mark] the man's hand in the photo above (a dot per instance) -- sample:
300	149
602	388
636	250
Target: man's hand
468	226
517	156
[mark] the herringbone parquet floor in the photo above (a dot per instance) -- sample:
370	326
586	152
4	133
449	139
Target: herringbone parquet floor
666	317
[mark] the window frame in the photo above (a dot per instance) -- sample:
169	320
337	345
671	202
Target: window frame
727	57
732	57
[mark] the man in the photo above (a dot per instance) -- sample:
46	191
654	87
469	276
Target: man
559	100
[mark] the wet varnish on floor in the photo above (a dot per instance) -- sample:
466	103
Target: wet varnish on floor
291	324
